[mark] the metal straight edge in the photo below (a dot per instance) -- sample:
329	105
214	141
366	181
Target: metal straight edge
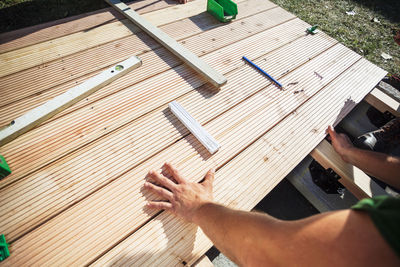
41	113
194	127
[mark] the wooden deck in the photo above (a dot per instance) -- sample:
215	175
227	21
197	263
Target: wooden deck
75	196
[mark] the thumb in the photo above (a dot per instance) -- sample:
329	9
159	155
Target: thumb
209	178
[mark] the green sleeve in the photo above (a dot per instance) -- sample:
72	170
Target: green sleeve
385	214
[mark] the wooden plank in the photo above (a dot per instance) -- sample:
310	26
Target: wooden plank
354	179
87	124
84	22
204	261
247	178
383	102
40	114
41	53
194	127
173	46
269	106
152	131
30	88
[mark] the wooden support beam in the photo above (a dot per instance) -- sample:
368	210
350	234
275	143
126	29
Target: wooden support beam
355	180
178	50
204	261
40	114
383	102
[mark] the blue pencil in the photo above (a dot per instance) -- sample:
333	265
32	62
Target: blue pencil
257	67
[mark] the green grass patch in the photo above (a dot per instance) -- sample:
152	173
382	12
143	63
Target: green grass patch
359	32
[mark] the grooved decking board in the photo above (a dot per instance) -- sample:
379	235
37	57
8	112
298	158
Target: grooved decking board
262	161
54	29
86	124
159	133
39	54
187	56
101	209
75	196
42	84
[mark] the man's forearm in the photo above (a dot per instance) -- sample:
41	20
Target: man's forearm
379	165
242	236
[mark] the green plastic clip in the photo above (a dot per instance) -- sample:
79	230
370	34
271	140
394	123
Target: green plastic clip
4	168
4	252
313	29
222	10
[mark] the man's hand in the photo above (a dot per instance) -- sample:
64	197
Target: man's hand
341	143
183	198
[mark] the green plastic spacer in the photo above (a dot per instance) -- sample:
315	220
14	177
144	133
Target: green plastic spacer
4	252
222	10
4	168
313	29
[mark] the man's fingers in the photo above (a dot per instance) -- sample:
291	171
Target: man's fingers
175	173
162	192
161	179
331	131
159	205
209	178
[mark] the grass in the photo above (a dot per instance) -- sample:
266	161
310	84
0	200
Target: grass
359	32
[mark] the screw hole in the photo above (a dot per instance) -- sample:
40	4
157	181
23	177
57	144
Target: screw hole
12	122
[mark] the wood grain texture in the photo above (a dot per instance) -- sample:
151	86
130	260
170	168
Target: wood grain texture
269	106
172	45
262	161
32	87
84	22
40	114
76	195
139	95
41	53
140	132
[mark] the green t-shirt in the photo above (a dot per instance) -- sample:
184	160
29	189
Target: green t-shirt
385	213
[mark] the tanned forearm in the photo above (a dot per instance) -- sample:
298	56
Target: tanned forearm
384	167
242	236
341	238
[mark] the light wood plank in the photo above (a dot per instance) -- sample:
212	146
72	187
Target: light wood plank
248	177
173	46
151	131
354	179
40	114
39	54
30	88
383	102
204	261
269	106
53	29
88	123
